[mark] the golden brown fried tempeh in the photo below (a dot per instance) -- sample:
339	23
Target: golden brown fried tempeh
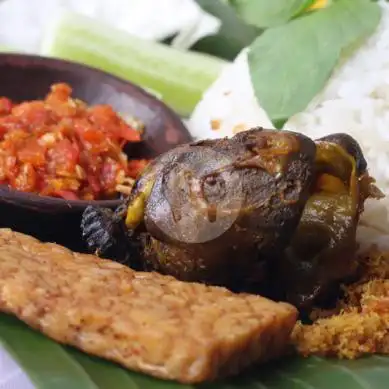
144	321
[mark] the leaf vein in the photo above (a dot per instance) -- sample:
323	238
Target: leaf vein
360	381
298	381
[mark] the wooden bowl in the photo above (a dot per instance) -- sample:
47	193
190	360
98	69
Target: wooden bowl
29	77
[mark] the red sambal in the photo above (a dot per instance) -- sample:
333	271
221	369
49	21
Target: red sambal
61	147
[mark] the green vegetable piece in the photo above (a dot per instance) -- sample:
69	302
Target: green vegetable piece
7	49
265	13
105	374
290	64
234	33
322	373
179	78
45	362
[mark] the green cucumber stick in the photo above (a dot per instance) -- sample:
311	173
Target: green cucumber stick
7	49
179	78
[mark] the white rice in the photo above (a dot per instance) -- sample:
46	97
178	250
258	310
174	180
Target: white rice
355	101
229	105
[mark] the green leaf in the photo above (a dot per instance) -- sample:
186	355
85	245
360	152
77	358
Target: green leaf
319	373
290	64
234	33
105	374
108	375
46	362
51	365
265	13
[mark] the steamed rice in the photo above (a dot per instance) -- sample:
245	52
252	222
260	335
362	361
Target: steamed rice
229	106
355	101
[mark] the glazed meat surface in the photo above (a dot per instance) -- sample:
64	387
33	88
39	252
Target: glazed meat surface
144	321
216	209
322	253
268	212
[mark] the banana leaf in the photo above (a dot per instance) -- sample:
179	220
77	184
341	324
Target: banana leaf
50	365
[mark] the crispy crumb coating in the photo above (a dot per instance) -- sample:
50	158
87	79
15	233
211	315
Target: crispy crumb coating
360	324
144	321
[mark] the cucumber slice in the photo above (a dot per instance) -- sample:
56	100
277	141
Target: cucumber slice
178	77
7	49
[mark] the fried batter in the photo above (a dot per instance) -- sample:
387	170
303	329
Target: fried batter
145	321
360	323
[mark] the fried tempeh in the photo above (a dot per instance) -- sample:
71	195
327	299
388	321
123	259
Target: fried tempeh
144	321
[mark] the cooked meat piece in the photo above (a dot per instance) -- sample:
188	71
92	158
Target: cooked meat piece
215	209
144	321
352	147
360	325
322	252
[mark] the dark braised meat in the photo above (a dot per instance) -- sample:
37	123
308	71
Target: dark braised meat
214	209
351	146
266	211
105	235
322	252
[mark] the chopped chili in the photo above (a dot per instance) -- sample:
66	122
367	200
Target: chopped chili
63	148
